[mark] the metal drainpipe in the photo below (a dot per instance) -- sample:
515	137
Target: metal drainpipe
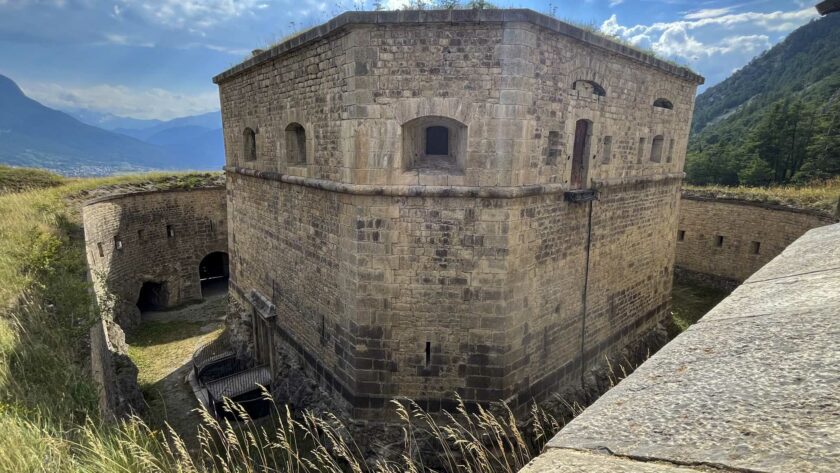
585	289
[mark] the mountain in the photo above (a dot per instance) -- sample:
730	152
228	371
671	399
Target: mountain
207	121
109	121
196	138
775	120
34	135
37	136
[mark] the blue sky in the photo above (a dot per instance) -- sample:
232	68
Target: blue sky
155	58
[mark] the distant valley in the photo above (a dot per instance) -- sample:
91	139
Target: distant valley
87	143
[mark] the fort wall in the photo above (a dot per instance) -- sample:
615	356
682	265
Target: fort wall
724	241
395	271
155	237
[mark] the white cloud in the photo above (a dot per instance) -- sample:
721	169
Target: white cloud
124	101
195	15
615	3
681	38
707	13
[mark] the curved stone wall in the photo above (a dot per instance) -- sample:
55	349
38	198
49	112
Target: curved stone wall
724	241
158	237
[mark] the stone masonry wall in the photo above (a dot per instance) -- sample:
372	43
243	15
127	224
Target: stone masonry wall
140	223
479	279
742	225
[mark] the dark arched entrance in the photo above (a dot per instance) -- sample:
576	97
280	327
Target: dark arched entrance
153	296
214	272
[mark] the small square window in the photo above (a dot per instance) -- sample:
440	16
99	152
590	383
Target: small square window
681	235
118	243
719	241
101	250
755	247
140	235
170	231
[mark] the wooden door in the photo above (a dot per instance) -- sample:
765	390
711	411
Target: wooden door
579	154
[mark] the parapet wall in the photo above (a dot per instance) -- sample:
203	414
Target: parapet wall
753	386
157	237
727	240
114	373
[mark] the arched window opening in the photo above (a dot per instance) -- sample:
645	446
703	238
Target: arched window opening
588	86
656	149
434	144
249	150
580	153
214	272
153	296
663	103
295	144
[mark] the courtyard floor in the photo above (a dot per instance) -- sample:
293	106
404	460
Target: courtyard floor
162	347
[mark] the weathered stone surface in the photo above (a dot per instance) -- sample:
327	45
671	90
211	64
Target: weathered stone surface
560	460
753	234
113	372
395	277
755	385
127	243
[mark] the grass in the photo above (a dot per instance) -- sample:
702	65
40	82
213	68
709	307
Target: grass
820	196
13	179
690	302
162	352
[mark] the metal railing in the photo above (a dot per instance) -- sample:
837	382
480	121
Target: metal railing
209	353
223	375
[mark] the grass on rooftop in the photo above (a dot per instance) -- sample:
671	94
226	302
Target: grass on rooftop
820	196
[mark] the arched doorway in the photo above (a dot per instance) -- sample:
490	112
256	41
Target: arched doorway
214	273
580	153
153	296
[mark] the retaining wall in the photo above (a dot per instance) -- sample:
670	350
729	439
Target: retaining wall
156	236
724	241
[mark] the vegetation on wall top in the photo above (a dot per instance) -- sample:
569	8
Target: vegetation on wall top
776	120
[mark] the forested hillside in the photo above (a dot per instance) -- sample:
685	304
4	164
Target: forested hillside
776	120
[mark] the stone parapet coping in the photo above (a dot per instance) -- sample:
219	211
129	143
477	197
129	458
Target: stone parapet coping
107	198
414	17
491	192
692	195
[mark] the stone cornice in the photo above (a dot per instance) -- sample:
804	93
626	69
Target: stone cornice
413	17
489	192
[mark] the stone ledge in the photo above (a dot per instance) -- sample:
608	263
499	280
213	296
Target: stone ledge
489	192
107	198
701	196
457	16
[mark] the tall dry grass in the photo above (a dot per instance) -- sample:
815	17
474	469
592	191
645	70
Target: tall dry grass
823	196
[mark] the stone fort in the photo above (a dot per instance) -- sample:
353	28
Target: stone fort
425	203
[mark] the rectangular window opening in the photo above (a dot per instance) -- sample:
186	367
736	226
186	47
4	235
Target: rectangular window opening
719	241
607	152
428	354
640	153
323	330
118	243
755	247
140	235
170	231
681	235
101	250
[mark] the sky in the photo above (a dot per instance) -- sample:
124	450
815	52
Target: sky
155	58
